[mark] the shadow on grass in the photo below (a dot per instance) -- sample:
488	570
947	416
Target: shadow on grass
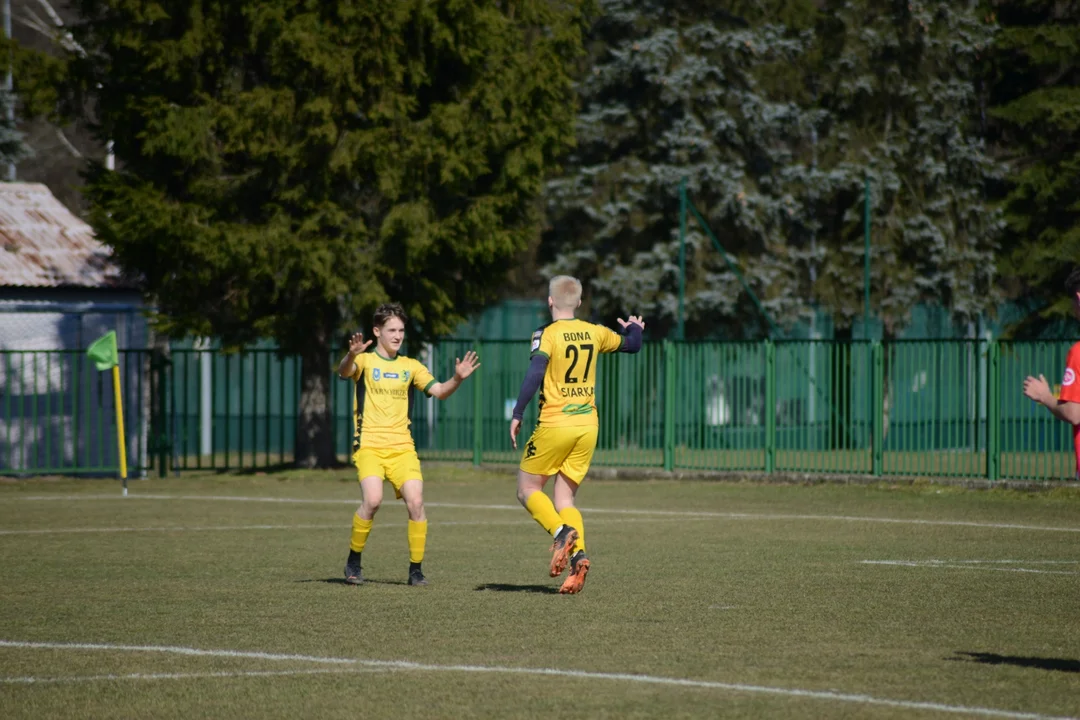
341	581
506	587
277	468
1059	664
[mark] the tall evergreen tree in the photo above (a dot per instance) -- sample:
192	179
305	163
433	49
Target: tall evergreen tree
777	129
678	89
1036	119
899	80
285	166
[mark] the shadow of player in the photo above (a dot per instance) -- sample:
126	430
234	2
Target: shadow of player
1059	664
506	587
341	581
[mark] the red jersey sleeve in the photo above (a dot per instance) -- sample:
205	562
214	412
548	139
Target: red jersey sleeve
1070	386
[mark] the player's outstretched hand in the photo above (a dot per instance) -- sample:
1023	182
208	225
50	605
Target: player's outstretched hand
1037	388
633	320
357	344
515	428
464	368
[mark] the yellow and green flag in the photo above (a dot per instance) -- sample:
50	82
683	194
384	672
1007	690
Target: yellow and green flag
104	354
103	351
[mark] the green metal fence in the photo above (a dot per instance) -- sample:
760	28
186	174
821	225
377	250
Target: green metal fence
941	408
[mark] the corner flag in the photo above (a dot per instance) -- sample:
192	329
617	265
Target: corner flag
103	351
104	354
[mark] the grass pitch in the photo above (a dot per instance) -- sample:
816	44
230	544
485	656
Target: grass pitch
220	596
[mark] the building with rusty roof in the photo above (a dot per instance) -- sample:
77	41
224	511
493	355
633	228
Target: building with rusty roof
59	286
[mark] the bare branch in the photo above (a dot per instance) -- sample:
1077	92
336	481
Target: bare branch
67	143
65	38
36	24
55	16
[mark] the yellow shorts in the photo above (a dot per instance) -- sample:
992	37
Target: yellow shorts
397	466
568	450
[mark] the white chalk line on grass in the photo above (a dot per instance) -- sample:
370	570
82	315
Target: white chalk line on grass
591	510
974	565
549	672
238	528
183	676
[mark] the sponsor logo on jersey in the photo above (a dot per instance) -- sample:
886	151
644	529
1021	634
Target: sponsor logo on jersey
394	392
390	376
536	340
1070	377
376	374
577	409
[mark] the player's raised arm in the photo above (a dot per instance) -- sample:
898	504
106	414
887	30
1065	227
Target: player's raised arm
463	368
347	367
631	332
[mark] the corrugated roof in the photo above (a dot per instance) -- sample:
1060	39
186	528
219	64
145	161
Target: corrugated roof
42	244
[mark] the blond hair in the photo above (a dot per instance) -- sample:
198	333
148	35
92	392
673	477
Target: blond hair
565	292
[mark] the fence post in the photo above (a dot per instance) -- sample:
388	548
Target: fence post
478	410
993	412
669	405
770	406
878	419
159	417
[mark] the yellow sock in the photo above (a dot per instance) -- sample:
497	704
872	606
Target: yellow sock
542	509
360	531
417	540
572	517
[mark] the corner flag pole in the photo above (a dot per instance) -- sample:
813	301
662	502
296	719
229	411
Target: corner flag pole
105	356
120	425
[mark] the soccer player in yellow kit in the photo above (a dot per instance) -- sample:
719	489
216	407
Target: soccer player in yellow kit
382	442
563	368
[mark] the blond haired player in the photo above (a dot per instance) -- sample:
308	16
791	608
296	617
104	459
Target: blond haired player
382	442
563	368
1066	406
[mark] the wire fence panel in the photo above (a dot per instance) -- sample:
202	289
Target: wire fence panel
58	414
935	395
630	408
823	406
942	408
1034	445
720	406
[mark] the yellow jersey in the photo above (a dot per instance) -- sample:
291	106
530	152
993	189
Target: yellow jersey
568	394
384	400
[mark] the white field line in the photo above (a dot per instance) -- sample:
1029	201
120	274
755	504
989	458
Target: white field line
964	565
181	676
76	531
549	672
591	510
237	528
1011	562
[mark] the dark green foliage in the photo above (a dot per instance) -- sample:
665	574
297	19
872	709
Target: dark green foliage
13	147
899	80
776	126
675	90
1036	94
283	167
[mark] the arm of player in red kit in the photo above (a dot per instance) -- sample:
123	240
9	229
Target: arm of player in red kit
1067	406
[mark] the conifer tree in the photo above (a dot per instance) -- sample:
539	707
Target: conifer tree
1036	121
282	167
681	90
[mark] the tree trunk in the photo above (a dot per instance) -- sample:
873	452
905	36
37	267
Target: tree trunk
314	426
